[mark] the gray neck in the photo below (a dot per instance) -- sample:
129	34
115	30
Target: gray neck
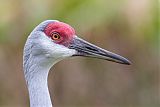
38	87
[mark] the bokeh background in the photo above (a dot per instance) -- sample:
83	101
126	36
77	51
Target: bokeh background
126	27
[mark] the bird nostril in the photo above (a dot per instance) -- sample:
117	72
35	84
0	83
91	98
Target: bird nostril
90	48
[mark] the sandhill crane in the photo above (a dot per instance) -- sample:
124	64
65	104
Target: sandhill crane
50	42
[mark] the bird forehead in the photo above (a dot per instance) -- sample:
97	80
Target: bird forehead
61	28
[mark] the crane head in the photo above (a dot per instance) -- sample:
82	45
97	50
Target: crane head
54	40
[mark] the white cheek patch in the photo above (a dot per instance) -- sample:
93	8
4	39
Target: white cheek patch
61	51
54	50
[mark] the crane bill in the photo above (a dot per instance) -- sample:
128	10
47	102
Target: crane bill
87	49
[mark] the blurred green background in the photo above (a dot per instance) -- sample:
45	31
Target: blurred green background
126	27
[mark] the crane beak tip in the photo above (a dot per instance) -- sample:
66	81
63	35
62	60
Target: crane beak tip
127	62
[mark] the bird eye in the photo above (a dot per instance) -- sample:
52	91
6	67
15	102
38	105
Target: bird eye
55	36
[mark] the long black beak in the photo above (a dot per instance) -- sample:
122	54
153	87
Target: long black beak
87	49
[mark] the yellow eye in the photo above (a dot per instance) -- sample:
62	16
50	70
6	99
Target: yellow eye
55	36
